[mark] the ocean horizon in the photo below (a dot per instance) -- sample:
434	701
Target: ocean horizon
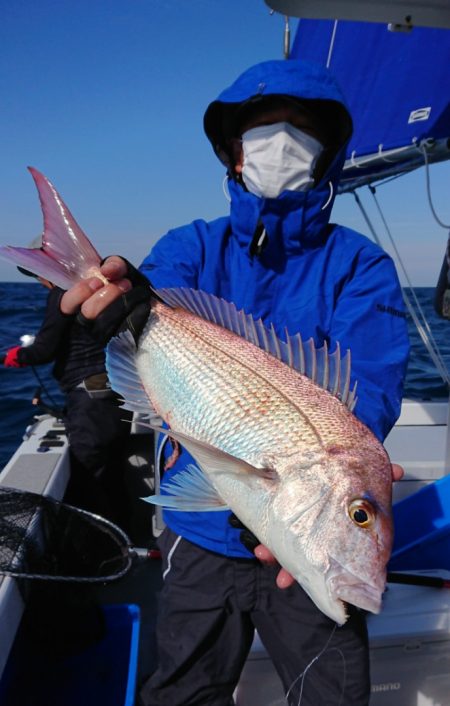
22	307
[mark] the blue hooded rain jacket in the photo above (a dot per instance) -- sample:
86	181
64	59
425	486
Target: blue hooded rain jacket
322	280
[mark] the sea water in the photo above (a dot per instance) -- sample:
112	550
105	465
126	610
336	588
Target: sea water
22	307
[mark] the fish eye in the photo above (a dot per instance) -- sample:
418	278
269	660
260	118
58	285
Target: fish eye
362	513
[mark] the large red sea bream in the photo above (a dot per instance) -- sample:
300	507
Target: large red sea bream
269	423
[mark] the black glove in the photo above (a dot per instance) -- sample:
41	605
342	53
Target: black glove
247	538
130	311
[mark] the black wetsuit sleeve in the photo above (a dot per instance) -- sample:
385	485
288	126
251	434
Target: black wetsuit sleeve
53	329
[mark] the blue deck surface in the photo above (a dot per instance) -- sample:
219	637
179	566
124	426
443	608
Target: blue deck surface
422	529
104	673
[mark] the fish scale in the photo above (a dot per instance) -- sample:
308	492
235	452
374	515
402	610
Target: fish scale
223	383
218	390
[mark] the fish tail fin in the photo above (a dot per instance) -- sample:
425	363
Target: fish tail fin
66	255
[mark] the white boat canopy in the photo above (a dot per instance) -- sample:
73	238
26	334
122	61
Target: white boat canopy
410	13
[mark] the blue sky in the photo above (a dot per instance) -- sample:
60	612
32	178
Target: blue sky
106	97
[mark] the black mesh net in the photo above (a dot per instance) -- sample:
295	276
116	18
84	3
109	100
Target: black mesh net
42	538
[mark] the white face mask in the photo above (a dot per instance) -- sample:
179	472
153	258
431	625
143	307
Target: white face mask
278	157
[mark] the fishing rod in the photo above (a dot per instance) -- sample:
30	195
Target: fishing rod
53	408
27	340
418	580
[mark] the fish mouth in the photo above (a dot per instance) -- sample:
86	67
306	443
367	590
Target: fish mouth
345	586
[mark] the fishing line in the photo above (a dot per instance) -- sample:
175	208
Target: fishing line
302	676
442	366
427	337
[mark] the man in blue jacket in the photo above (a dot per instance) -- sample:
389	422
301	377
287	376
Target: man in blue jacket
281	131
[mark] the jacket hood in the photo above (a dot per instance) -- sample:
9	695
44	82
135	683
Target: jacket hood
293	221
308	83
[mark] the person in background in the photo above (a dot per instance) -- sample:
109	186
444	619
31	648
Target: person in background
442	291
97	427
281	130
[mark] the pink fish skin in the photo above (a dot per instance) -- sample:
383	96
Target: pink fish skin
66	255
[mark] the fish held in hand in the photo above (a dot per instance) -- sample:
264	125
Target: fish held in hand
283	451
268	421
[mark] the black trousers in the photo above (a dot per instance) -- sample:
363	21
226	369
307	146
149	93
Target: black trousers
97	436
210	606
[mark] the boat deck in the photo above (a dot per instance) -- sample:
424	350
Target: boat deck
418	442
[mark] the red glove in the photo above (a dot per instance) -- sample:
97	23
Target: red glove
11	359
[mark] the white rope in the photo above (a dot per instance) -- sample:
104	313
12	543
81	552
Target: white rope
330	196
423	149
423	327
226	193
330	50
287	37
170	555
376	156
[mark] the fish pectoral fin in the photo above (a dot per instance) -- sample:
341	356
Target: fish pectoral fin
214	460
189	491
124	376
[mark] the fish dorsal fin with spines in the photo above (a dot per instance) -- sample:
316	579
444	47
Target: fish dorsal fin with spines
124	376
331	371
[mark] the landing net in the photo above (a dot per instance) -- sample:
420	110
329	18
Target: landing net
42	538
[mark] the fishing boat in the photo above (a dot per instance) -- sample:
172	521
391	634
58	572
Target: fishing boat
410	639
377	52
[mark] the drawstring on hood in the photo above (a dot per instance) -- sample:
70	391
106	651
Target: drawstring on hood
259	240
